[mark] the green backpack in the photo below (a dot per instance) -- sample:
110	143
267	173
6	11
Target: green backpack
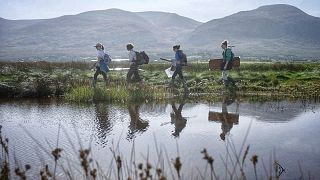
232	55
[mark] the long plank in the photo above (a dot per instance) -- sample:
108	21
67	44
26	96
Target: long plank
215	64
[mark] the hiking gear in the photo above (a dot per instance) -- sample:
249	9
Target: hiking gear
184	59
103	66
98	45
169	60
227	57
94	82
107	58
130	46
103	60
141	58
181	58
176	47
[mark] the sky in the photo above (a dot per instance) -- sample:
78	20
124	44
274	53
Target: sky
201	10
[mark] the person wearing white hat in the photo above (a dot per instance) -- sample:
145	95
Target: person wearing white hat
102	64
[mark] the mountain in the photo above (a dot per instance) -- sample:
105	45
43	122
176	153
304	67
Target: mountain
75	35
175	27
268	30
279	31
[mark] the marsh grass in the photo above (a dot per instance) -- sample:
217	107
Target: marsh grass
38	79
163	166
116	93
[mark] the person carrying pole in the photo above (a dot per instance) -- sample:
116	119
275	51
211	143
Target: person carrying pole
178	62
226	64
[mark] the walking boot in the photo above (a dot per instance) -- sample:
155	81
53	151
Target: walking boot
185	87
94	82
171	83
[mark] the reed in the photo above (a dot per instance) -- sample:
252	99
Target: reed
73	79
121	169
116	93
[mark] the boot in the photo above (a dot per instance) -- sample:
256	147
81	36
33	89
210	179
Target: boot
226	82
185	87
171	82
184	82
94	82
107	81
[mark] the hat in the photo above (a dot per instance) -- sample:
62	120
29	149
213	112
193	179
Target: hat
225	42
176	47
130	46
98	45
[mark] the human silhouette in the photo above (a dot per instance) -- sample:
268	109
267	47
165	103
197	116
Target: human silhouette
177	119
137	125
104	126
226	119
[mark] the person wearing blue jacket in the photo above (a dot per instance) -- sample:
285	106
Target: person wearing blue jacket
178	63
101	65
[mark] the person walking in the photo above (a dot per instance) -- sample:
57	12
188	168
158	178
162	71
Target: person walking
101	65
226	64
133	73
178	62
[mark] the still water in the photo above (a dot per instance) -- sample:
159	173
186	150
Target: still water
286	131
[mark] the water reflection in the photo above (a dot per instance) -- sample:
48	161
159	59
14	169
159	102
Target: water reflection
224	117
137	125
177	120
103	123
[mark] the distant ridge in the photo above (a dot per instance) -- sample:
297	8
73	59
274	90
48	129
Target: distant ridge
280	31
268	30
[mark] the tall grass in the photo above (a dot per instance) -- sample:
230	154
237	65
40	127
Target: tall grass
37	79
126	166
114	93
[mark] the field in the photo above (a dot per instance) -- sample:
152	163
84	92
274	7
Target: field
73	80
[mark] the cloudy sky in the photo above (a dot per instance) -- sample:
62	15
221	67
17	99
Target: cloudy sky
201	10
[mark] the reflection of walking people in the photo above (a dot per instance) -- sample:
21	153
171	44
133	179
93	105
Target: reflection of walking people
102	121
178	62
102	64
137	125
226	119
133	73
226	124
177	119
227	55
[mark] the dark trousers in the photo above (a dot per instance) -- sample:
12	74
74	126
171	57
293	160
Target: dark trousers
98	71
178	71
133	74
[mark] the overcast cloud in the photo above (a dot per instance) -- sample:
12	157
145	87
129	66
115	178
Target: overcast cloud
201	10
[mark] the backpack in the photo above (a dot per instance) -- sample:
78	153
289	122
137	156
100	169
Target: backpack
107	59
230	62
141	58
184	59
232	56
